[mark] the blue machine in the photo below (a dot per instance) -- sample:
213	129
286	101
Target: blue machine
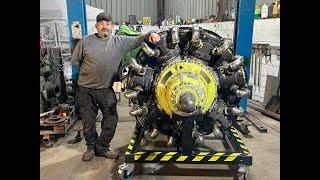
77	22
243	30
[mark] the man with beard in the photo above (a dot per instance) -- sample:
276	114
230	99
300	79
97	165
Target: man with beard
98	56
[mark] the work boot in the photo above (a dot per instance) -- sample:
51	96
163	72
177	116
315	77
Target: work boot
88	155
109	154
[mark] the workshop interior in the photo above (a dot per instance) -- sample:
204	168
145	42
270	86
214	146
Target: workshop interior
202	103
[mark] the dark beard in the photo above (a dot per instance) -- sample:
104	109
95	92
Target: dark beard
104	35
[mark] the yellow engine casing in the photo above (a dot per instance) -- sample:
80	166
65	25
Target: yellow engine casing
185	76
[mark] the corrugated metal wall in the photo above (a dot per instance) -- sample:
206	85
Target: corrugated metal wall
121	9
190	8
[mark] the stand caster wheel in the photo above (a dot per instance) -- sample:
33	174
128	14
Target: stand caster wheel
125	175
125	171
241	176
242	172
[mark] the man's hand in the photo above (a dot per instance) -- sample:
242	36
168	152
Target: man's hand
154	38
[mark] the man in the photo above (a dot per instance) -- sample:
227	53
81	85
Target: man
98	56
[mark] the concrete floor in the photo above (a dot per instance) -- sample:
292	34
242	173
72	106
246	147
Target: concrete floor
63	161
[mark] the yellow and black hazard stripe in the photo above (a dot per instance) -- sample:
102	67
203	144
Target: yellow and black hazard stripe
200	158
243	157
131	144
239	141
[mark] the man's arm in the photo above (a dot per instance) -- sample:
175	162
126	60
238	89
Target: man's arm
77	55
128	43
76	61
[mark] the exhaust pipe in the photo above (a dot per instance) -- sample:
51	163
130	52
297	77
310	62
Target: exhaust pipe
135	111
175	36
137	67
195	40
131	94
226	44
170	142
240	92
243	92
224	50
149	51
234	65
154	133
216	131
235	111
199	138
